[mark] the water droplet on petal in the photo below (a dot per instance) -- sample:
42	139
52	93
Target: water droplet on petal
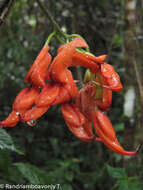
32	123
17	113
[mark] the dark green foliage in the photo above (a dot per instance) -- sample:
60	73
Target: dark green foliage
48	153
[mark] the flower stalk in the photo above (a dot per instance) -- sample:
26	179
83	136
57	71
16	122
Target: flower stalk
56	27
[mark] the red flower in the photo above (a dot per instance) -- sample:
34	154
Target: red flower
110	78
68	56
37	73
94	97
106	132
77	123
22	103
11	120
102	124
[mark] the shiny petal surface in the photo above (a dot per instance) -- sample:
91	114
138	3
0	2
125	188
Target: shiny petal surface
70	86
48	95
113	145
83	60
82	132
11	120
86	99
105	124
37	73
106	132
72	115
38	77
33	113
105	101
38	59
100	59
19	97
25	99
63	60
62	97
111	77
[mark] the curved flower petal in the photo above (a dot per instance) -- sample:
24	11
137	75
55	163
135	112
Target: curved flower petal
86	99
11	120
47	95
25	99
63	60
105	124
105	101
106	132
37	73
62	97
83	132
77	123
72	115
70	86
113	145
111	77
33	113
67	91
75	43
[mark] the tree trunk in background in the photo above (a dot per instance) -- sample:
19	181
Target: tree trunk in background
130	79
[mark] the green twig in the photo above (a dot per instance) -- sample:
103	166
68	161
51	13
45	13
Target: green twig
56	27
49	38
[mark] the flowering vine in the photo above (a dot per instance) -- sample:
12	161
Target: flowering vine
52	83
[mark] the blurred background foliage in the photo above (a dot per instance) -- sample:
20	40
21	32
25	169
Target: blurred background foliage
48	153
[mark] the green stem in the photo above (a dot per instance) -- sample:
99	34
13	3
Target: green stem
60	40
53	22
49	38
74	36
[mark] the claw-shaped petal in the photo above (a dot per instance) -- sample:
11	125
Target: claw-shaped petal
62	97
111	77
25	99
86	99
106	132
83	132
70	86
37	73
77	123
63	60
33	114
113	145
105	101
11	120
72	115
105	124
48	95
82	59
67	91
75	43
100	59
102	96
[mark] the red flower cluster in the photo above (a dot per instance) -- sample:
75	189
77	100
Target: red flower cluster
79	108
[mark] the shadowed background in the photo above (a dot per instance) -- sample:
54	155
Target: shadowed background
52	155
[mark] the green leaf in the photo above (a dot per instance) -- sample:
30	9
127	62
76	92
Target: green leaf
117	40
33	174
129	185
118	173
67	187
135	185
123	185
5	162
69	176
119	127
6	142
